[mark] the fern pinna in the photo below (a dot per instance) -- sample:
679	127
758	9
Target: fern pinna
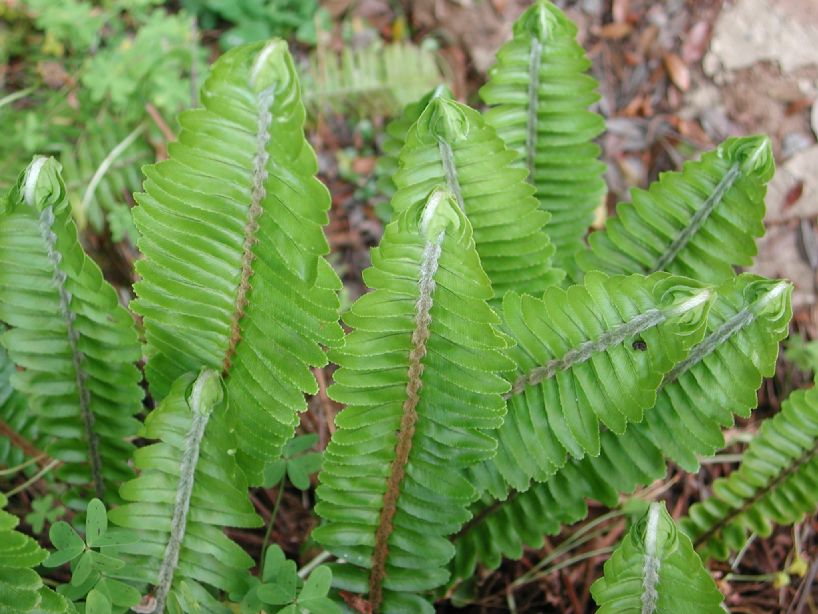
421	375
190	487
539	96
74	345
231	231
776	483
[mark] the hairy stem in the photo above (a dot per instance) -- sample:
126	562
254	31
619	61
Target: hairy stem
452	182
201	404
650	570
59	277
258	192
698	219
420	336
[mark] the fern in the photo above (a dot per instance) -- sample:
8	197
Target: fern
698	397
231	231
420	374
451	145
74	344
699	222
374	80
656	571
594	353
21	588
777	482
539	93
102	171
189	489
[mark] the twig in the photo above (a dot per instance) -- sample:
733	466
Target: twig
24	444
270	525
307	569
33	479
806	587
160	122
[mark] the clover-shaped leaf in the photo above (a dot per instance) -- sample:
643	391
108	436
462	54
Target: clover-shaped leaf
68	543
296	463
43	510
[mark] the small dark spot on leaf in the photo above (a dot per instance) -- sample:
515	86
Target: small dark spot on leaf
640	345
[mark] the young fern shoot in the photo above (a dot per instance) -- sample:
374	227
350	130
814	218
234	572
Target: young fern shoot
539	94
421	375
189	489
656	571
74	345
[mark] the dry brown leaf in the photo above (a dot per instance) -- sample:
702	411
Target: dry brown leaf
696	42
614	31
677	70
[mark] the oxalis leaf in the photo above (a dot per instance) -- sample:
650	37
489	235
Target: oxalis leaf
776	482
539	93
190	487
656	571
21	588
421	377
231	229
699	222
74	345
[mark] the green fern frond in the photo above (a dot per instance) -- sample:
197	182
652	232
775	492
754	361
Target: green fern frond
102	171
451	145
595	353
373	80
189	489
699	222
231	229
74	345
395	138
14	412
539	93
776	483
656	571
21	588
421	375
697	398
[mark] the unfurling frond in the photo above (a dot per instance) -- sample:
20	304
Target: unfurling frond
189	489
421	374
452	145
656	571
595	353
21	588
776	483
74	345
539	94
231	229
699	222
